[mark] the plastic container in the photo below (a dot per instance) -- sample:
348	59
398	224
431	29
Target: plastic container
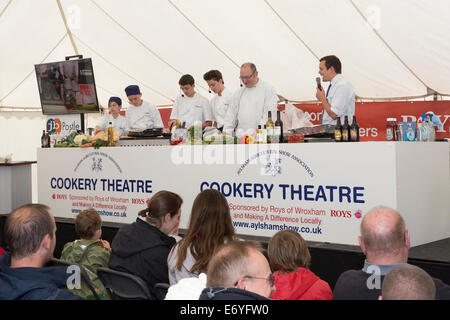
391	129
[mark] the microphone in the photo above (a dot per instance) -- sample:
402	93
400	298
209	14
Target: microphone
209	91
319	86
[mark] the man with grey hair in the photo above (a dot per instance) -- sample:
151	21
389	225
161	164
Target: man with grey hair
30	233
408	282
238	271
250	103
385	241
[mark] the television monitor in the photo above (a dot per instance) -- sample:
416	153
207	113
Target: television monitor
67	87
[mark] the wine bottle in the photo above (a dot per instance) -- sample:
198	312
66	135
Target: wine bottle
270	128
278	131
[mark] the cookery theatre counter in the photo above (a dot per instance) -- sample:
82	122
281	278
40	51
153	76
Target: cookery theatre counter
321	190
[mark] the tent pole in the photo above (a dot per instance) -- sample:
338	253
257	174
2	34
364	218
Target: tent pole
63	16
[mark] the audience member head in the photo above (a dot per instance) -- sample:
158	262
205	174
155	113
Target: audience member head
287	251
241	264
30	233
384	238
163	211
210	226
408	282
88	224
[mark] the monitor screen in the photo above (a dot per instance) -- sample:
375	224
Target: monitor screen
67	87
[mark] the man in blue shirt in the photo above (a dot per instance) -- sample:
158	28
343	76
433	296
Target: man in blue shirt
339	100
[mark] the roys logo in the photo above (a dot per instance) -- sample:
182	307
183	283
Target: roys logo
345	214
341	213
54	126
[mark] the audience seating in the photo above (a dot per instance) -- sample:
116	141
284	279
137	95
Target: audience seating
84	276
123	285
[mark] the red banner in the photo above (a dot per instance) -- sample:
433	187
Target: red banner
371	116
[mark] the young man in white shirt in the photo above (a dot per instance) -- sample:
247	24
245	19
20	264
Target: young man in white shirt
221	101
190	106
141	115
339	101
250	103
118	122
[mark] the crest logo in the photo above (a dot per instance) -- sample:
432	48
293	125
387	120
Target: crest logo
97	165
273	166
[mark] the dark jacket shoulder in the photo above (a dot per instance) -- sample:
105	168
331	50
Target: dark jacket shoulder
229	294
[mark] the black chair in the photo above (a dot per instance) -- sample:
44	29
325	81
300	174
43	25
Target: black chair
123	285
84	276
160	290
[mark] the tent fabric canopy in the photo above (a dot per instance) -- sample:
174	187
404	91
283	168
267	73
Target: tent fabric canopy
389	49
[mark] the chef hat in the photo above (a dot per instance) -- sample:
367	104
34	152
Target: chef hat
116	100
132	90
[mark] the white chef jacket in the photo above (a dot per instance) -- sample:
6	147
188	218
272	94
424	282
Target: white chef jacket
191	109
119	124
341	97
220	105
146	116
250	106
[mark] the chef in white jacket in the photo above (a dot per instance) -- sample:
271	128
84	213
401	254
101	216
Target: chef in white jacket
118	122
220	103
190	106
251	103
141	115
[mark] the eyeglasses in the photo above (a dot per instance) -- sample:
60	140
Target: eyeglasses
247	77
270	279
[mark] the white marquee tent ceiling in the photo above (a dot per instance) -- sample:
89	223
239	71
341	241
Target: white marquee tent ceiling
389	49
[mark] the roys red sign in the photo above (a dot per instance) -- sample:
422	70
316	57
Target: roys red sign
371	116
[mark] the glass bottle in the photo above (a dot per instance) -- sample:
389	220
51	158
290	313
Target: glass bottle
345	130
354	130
110	134
338	130
270	128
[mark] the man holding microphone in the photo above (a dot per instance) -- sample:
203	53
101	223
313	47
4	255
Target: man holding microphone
339	100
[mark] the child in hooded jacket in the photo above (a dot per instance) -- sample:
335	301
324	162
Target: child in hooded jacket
289	258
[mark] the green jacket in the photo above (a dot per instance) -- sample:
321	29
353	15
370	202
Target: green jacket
90	254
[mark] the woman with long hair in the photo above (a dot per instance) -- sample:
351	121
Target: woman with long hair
210	226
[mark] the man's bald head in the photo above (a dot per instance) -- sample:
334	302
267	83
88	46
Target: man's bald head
231	261
26	227
383	231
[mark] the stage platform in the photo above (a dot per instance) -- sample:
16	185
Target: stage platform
328	260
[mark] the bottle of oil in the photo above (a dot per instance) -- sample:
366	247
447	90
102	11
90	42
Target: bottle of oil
110	134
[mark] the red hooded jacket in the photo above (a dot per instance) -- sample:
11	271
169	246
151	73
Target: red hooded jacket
302	284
